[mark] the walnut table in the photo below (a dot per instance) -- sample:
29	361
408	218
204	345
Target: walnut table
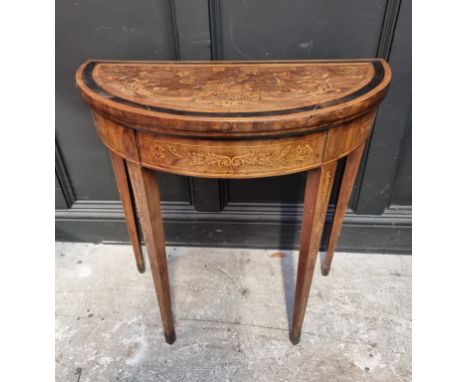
233	120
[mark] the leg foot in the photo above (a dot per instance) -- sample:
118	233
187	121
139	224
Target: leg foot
325	270
141	267
294	338
170	338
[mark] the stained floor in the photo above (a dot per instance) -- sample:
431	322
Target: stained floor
231	309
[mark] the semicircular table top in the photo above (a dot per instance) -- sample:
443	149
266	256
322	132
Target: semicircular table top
241	98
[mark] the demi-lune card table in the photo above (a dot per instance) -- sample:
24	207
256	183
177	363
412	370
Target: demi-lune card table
233	120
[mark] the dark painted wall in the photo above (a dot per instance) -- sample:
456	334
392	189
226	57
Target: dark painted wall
262	212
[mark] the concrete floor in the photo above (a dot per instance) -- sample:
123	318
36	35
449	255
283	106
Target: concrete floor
231	312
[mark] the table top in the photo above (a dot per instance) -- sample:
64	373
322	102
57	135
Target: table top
233	99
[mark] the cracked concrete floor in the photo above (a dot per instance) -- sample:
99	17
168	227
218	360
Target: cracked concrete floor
231	311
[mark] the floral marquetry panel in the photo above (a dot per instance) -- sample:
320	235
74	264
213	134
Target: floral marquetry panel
239	99
236	88
231	159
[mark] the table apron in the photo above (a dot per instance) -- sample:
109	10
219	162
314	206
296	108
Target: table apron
238	158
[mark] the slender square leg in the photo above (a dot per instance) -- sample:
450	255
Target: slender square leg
317	194
123	185
146	192
346	188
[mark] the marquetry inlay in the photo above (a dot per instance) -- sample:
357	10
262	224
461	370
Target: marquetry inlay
231	159
236	88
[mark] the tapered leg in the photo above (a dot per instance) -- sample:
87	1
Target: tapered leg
317	194
123	185
349	176
146	191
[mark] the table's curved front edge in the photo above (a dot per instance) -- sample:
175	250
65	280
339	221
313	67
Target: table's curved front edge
274	125
234	158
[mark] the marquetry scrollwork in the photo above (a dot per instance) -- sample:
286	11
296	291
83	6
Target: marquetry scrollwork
287	155
157	152
174	151
228	158
227	94
303	152
210	158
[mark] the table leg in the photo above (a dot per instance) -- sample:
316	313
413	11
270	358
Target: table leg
316	197
346	188
123	185
146	192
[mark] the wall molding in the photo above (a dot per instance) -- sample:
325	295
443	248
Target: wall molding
401	152
63	178
387	31
216	33
172	32
384	48
257	212
238	225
